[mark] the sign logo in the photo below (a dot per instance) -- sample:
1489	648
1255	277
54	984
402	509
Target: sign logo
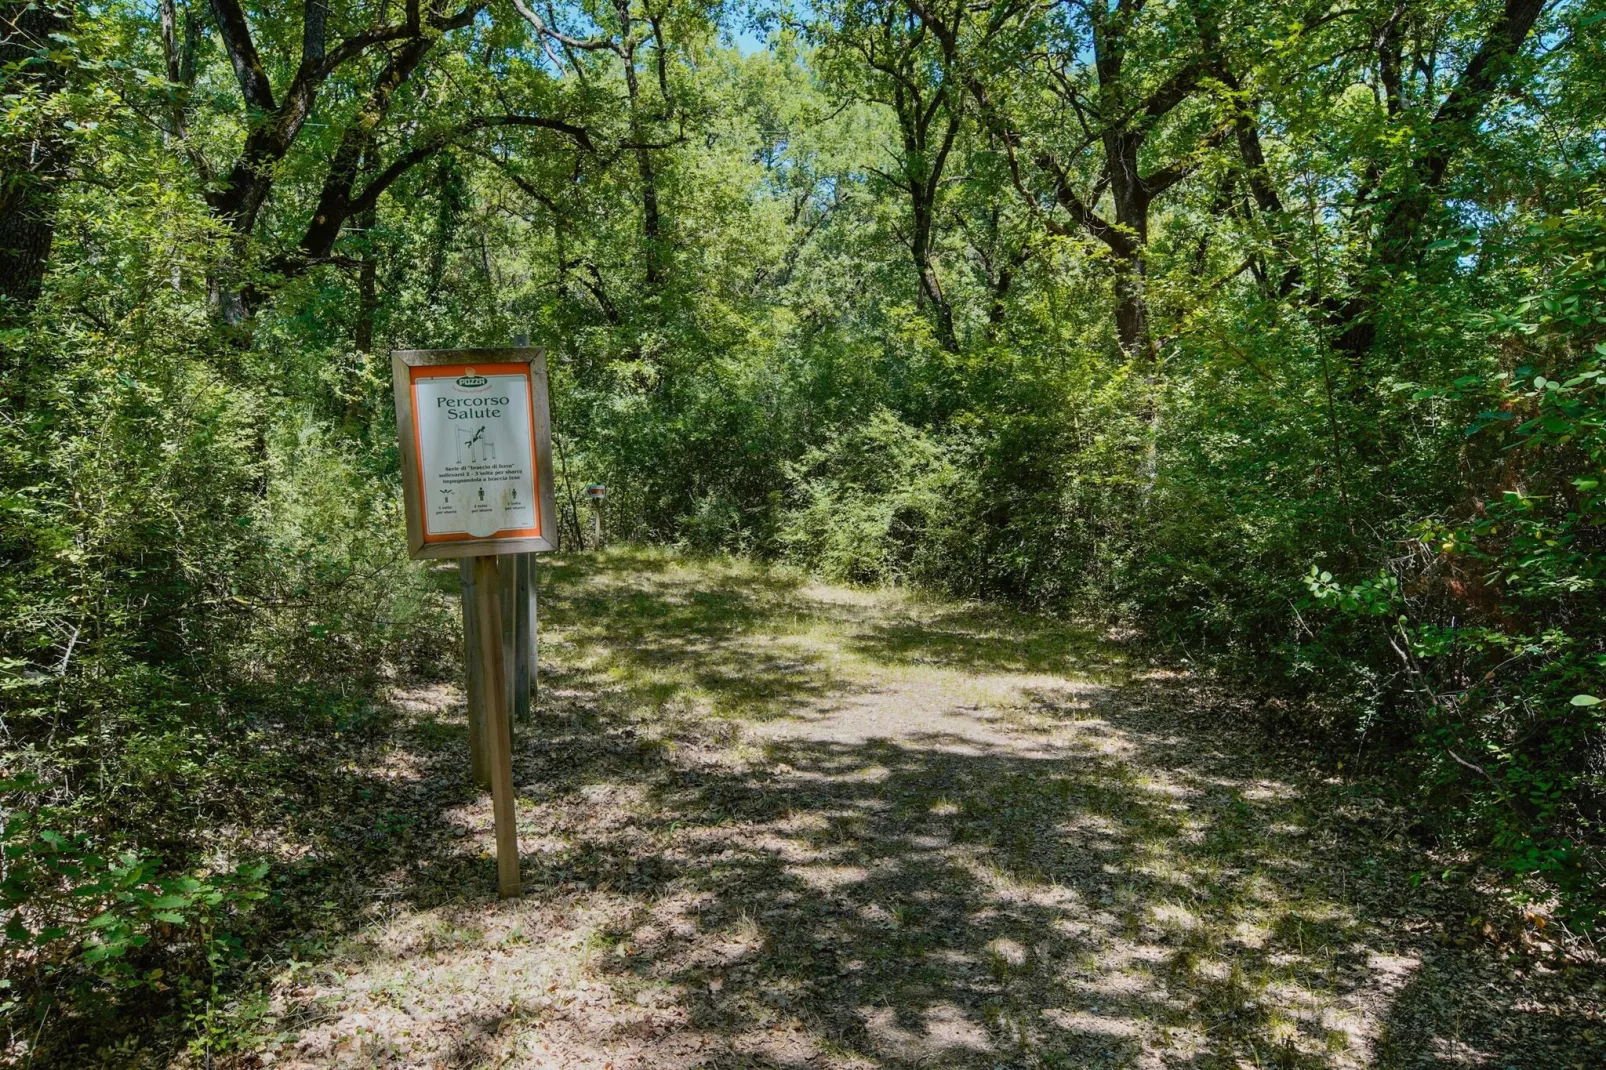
469	381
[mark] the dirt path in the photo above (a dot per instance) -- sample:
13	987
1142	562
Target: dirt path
768	824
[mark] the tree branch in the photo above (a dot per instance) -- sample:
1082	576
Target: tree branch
236	34
595	44
580	135
1159	181
1478	82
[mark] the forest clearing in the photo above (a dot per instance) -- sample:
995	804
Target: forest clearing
1064	533
770	823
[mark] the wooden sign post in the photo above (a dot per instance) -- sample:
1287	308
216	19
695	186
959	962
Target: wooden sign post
477	484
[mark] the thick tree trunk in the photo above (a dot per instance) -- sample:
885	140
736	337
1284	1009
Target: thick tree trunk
931	294
1131	262
1132	309
32	166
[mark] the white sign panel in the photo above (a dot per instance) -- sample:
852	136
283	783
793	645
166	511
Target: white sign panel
476	452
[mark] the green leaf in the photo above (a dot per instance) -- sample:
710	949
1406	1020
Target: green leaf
98	952
1585	700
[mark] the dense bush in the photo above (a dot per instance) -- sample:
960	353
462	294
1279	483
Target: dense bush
189	553
1488	624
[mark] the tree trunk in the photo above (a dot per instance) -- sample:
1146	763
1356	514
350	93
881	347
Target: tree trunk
1131	263
367	283
1132	309
367	305
31	167
931	294
923	166
368	302
651	224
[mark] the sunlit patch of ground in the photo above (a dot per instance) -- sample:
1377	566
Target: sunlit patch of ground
768	823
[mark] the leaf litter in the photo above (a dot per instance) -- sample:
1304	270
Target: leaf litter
766	823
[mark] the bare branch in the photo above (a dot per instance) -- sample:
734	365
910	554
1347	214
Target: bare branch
594	44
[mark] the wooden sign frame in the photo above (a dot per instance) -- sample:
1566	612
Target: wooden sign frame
420	544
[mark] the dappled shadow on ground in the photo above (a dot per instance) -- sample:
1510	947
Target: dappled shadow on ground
724	869
658	634
990	640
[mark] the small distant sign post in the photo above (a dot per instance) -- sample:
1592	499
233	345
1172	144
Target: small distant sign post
596	493
476	456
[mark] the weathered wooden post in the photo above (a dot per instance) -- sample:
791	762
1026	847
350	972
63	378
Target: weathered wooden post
475	441
596	493
524	647
532	635
516	572
488	604
474	683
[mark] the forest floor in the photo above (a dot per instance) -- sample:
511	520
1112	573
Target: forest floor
769	823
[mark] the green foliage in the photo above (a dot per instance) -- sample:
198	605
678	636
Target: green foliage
197	529
1317	403
67	904
1495	614
873	504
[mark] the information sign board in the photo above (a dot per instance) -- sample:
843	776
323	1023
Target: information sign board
476	451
